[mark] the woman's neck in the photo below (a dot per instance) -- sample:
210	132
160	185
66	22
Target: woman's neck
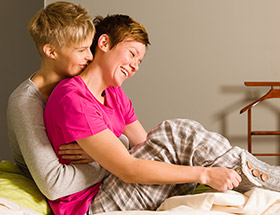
46	80
92	76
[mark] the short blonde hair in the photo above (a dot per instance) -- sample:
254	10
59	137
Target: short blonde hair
61	23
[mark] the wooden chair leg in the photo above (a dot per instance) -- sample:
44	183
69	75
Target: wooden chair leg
249	131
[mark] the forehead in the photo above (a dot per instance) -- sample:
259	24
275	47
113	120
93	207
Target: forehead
79	44
131	43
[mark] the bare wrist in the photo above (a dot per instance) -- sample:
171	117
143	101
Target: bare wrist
203	175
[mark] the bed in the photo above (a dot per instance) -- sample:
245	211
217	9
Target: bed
20	196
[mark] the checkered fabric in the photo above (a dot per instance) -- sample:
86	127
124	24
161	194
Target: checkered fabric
178	141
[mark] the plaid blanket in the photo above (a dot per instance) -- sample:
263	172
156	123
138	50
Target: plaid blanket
177	141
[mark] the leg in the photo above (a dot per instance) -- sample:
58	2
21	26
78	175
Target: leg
257	172
182	142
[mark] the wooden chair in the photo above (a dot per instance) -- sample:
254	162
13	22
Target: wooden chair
272	93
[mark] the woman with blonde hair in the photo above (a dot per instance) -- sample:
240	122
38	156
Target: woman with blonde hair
62	33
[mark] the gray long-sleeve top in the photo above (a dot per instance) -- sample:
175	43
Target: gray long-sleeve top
33	152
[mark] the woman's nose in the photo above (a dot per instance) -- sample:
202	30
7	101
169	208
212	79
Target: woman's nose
89	55
135	66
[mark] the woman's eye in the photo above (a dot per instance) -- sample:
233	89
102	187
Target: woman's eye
132	54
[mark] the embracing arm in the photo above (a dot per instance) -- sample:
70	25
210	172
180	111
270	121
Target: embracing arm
107	150
73	151
28	137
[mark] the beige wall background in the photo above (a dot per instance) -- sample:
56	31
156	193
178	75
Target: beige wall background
201	54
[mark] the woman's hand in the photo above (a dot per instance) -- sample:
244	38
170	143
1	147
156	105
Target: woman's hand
221	178
73	151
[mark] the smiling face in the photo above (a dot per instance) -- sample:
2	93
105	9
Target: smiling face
122	61
71	60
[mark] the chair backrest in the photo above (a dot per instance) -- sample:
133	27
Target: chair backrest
272	93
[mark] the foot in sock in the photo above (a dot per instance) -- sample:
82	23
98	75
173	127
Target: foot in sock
256	173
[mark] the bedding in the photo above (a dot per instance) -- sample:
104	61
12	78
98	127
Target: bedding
20	196
254	202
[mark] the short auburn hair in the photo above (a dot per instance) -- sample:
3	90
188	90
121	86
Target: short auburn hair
118	27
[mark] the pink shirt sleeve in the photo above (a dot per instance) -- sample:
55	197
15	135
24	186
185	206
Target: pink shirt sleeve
127	108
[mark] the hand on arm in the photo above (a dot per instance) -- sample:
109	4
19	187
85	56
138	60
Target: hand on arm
74	152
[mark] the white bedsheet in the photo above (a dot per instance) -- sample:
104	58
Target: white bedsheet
255	202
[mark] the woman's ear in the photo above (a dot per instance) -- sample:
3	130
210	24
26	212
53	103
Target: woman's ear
103	42
49	51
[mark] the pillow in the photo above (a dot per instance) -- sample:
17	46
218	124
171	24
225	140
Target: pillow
17	188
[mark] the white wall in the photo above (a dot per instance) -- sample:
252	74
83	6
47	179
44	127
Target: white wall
201	53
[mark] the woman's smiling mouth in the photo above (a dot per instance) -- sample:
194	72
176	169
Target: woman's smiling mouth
124	72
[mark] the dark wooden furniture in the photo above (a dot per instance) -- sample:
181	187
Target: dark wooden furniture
274	92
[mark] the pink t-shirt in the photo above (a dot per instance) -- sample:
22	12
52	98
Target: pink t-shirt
73	113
